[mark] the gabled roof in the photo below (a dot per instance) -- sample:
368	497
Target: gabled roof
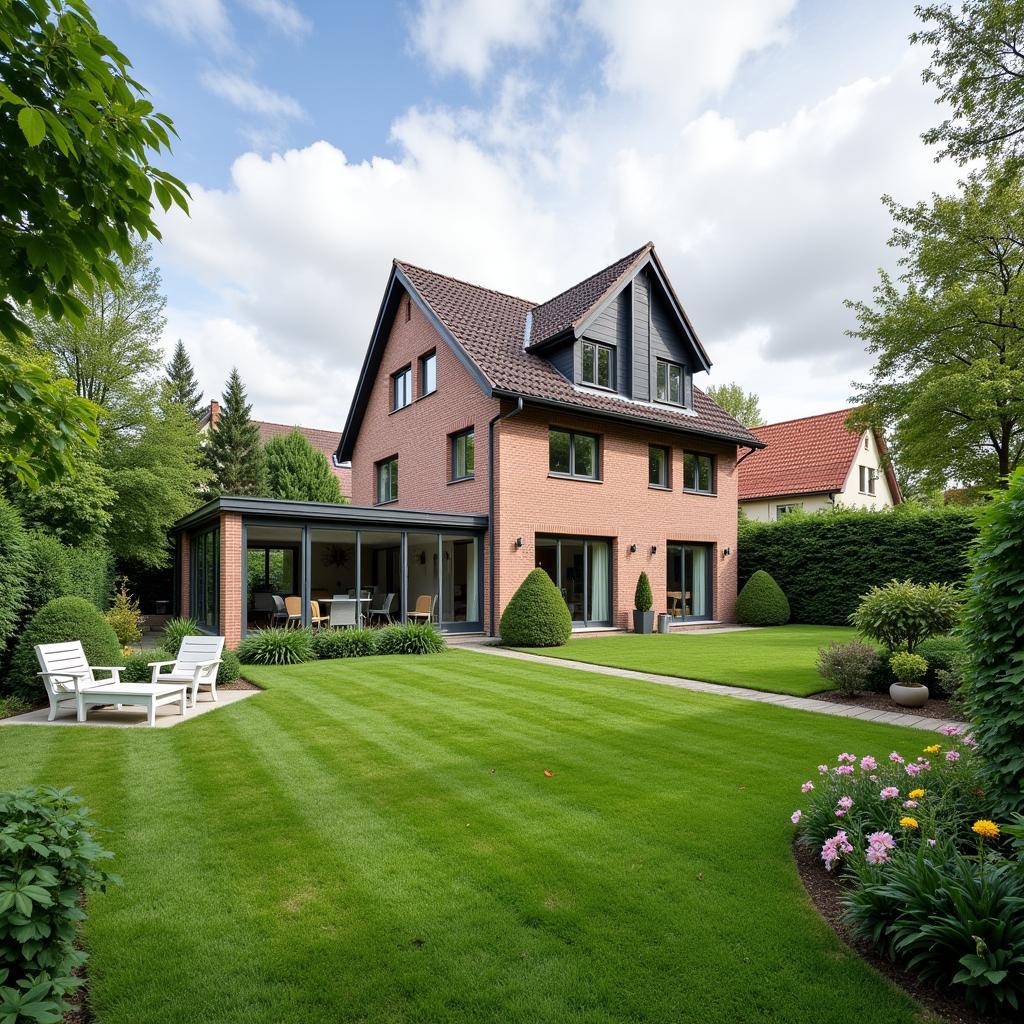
325	441
811	455
486	330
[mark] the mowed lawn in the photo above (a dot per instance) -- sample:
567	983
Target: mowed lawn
780	659
377	840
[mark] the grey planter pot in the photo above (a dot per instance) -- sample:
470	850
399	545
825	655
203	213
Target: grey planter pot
909	696
643	622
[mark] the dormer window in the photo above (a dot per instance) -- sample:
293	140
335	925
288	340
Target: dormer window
669	382
597	364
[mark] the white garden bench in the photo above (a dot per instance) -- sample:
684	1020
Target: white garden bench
196	665
68	676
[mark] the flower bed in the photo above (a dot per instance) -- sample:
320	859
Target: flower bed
929	879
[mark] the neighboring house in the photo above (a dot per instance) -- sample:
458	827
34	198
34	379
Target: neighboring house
487	430
325	441
815	463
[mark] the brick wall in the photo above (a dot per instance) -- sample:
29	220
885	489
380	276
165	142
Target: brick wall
231	578
620	507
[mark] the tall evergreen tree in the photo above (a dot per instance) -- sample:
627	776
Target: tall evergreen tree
233	452
181	385
297	471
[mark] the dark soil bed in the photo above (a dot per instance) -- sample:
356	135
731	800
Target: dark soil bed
934	707
824	890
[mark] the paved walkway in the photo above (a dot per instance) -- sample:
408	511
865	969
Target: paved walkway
821	707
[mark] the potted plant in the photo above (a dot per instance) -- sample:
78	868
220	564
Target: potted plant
643	599
909	669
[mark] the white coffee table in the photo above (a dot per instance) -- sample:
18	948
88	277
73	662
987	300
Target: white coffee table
147	695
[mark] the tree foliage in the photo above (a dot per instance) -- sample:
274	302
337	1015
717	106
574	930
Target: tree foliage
948	334
181	385
902	613
75	510
15	563
977	65
297	471
742	406
233	453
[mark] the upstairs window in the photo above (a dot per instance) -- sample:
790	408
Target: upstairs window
786	510
401	389
428	374
387	480
597	364
669	382
657	465
463	455
868	476
572	454
698	473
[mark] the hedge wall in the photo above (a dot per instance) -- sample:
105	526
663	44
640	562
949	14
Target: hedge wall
824	562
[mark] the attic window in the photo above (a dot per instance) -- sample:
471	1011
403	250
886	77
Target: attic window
596	364
669	382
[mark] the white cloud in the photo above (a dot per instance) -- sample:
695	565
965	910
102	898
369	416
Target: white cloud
282	15
250	96
463	35
194	20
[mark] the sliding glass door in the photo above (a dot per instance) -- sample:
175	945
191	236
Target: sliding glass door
581	569
688	581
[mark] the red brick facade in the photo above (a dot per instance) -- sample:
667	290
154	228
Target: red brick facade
231	578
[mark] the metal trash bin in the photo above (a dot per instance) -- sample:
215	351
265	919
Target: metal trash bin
664	621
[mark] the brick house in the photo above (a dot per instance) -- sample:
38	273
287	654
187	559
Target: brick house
487	430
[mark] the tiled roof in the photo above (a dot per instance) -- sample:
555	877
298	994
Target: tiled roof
325	441
570	307
812	455
490	326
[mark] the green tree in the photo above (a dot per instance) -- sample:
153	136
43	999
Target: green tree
181	385
233	453
75	139
742	406
75	509
977	65
297	471
948	335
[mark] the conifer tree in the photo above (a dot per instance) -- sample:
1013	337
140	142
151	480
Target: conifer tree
181	384
233	452
297	471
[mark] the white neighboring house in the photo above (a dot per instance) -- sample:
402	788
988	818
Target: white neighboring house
815	463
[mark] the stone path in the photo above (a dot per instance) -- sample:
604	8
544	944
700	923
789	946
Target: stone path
821	707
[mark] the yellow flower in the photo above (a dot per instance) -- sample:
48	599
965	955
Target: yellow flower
985	828
933	749
908	822
916	794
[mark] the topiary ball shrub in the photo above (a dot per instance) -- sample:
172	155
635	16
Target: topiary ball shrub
58	621
412	638
276	647
344	643
909	669
230	667
175	631
537	616
762	602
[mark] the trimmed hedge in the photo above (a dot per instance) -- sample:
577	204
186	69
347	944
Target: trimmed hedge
61	571
825	562
60	620
15	563
536	616
761	602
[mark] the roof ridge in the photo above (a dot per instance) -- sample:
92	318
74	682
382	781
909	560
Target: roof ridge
463	281
800	419
630	256
296	426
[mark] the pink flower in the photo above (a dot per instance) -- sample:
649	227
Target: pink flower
847	758
834	848
840	813
796	816
822	769
877	855
807	786
846	802
951	730
844	769
913	770
910	804
969	741
883	839
868	764
952	756
895	757
889	793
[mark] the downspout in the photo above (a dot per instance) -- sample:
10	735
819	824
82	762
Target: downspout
490	503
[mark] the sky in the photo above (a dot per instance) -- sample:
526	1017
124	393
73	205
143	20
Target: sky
522	145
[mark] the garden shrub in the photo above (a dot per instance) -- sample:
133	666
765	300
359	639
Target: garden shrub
537	616
946	657
643	599
411	638
61	571
228	671
276	647
92	574
48	856
902	614
230	667
993	631
761	602
11	705
175	630
124	616
61	620
344	643
15	566
909	669
849	666
819	560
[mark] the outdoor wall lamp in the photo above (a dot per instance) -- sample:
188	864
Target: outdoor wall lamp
632	547
654	549
519	542
726	552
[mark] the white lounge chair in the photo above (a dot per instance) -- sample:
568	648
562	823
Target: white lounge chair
68	676
196	665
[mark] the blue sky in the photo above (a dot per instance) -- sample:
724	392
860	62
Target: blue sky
524	144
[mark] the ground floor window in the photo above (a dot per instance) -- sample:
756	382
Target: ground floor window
205	573
688	580
581	569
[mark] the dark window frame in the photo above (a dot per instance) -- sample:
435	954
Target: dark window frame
205	568
666	484
598	347
404	373
393	480
669	364
423	360
572	474
712	473
453	440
